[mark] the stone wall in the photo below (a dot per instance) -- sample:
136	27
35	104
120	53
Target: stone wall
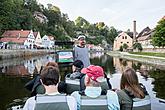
7	54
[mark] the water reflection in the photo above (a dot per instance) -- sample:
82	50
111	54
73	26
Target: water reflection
25	67
12	77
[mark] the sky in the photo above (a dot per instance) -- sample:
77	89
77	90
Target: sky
117	13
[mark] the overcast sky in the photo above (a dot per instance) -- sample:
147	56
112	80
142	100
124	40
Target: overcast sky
117	13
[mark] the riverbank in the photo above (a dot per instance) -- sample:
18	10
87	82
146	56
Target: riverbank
140	58
8	54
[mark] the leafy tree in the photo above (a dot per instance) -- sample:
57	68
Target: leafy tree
158	39
112	34
137	46
125	46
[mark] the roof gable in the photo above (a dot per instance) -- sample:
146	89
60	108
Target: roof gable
16	33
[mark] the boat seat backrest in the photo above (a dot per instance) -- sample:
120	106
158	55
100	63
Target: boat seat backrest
142	104
99	103
72	85
51	102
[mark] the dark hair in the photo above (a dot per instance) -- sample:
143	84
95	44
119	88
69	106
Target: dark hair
129	79
79	64
50	75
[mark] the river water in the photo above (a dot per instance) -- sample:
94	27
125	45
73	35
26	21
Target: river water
14	73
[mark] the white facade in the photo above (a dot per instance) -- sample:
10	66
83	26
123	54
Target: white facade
47	42
122	38
30	41
38	40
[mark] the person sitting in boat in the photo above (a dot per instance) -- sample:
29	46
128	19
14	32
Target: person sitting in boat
52	99
132	96
76	68
92	98
73	80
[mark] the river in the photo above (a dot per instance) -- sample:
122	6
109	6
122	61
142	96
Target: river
14	73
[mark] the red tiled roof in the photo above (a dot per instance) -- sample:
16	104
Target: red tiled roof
15	40
16	33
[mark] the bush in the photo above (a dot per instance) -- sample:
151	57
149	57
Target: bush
121	48
137	46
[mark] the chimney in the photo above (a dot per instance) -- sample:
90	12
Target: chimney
134	32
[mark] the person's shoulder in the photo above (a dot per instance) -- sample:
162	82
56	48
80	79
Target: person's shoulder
75	94
30	103
110	92
120	93
71	98
31	99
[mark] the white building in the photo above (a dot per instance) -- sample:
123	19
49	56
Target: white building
48	41
30	41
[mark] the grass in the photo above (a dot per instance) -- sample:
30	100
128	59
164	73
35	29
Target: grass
149	54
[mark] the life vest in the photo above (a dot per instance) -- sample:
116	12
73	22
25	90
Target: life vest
98	103
51	102
72	85
142	104
137	103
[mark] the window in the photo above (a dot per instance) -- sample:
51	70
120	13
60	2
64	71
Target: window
127	42
121	42
125	37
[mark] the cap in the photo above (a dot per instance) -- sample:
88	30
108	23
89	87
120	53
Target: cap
78	64
81	36
96	73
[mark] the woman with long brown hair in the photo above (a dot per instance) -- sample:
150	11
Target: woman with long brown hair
130	90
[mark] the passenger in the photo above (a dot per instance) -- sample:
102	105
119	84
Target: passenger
132	95
81	51
73	80
76	68
52	99
91	98
105	85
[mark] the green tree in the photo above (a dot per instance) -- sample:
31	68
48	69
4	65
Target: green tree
125	46
112	34
137	46
121	48
158	39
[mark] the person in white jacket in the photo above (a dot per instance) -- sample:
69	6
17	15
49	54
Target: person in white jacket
50	78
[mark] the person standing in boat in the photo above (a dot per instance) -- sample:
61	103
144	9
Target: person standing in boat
81	51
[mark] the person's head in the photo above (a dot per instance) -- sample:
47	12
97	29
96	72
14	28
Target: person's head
50	76
94	75
77	65
54	64
81	40
129	80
